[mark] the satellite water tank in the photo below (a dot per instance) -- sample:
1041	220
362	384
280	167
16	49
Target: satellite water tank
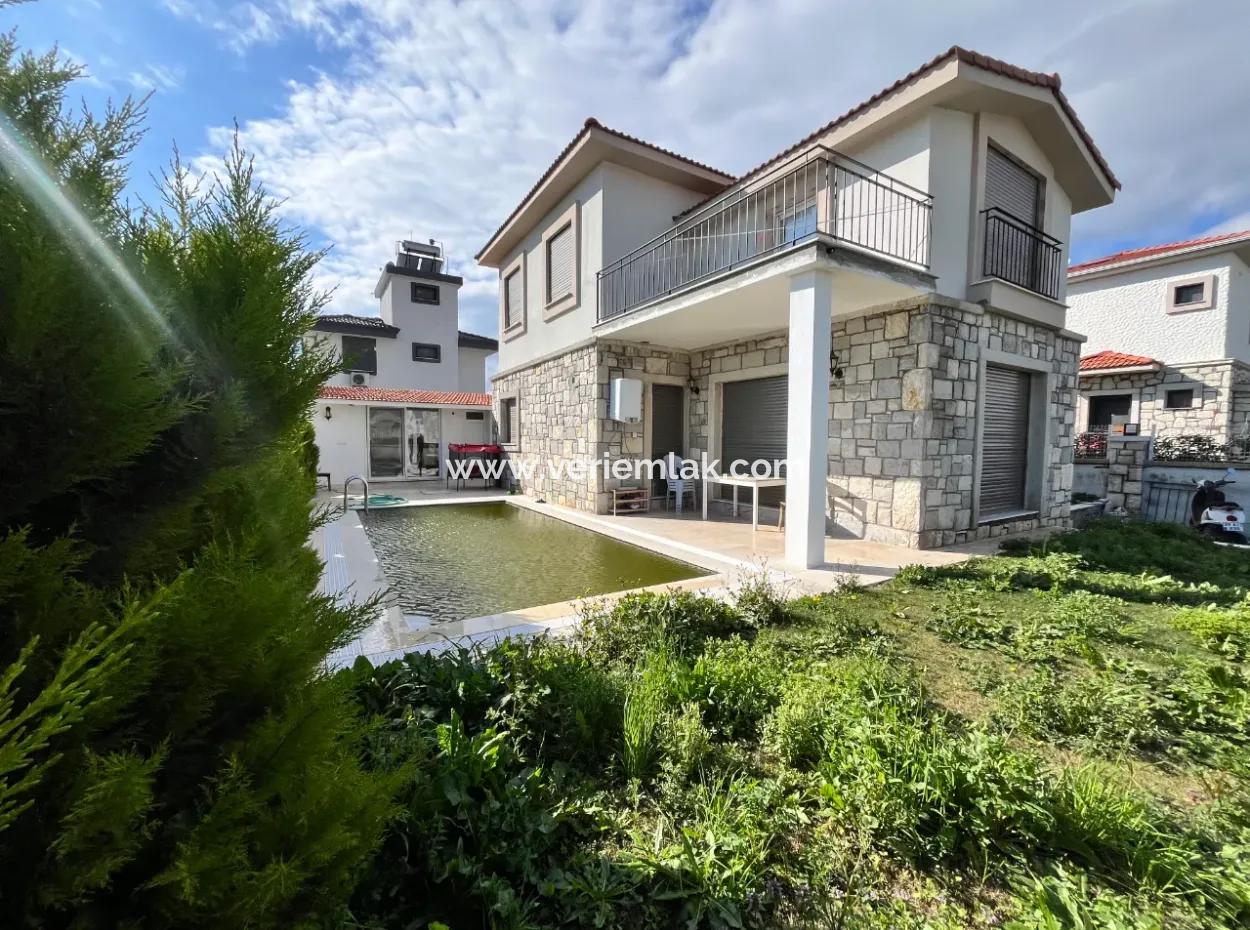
625	400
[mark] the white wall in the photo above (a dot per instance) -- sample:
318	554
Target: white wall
951	176
459	369
639	207
343	440
342	444
435	323
1128	313
473	369
1237	344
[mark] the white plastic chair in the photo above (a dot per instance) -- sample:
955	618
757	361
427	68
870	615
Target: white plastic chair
676	488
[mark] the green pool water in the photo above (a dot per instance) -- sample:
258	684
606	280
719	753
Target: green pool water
454	561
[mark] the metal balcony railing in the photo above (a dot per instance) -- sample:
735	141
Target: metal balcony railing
1021	254
820	192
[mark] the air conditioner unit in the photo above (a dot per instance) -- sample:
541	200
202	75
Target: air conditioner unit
625	400
359	378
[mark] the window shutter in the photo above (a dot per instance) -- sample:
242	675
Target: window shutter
1004	440
1010	188
514	299
514	420
560	264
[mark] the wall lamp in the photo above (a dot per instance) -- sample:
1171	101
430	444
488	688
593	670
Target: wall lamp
835	367
329	412
693	387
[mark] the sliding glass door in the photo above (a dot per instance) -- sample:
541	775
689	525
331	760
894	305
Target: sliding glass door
386	442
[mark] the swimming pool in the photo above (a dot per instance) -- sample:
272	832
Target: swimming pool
456	561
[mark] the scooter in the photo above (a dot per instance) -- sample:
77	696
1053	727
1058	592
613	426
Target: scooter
1212	515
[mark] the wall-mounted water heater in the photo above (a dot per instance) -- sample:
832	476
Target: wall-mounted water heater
625	400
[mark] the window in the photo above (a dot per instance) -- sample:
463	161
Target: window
1191	294
513	299
560	264
1181	399
509	421
360	354
427	352
424	293
474	415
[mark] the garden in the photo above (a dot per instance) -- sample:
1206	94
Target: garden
1056	737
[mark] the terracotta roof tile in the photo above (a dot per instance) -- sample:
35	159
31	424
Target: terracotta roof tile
397	396
1108	359
1155	251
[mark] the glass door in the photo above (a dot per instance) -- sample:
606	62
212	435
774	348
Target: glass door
386	442
422	442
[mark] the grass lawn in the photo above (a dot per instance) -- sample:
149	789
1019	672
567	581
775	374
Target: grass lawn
1057	737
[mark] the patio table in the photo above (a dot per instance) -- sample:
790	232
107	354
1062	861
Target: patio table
746	482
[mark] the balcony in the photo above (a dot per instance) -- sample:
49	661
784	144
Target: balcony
819	194
1021	254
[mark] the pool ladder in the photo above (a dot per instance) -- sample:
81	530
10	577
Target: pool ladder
347	483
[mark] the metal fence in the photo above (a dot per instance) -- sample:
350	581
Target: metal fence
1167	501
818	192
1021	254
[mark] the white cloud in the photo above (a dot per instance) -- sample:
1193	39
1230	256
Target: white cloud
240	25
434	118
156	77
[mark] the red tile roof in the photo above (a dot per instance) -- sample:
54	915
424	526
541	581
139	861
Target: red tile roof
395	396
592	123
1107	359
967	56
1155	251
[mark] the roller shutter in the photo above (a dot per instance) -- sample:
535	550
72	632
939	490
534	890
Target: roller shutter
1004	440
560	264
1011	188
514	299
754	426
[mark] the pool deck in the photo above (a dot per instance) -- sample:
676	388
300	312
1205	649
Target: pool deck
724	546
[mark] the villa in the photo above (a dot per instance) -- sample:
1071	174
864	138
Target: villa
1169	337
882	304
412	381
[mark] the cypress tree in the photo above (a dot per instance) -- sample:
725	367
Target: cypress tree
172	751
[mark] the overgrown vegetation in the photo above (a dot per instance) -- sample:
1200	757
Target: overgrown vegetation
1051	739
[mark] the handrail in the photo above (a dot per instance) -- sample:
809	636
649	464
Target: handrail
362	480
1020	253
720	201
816	191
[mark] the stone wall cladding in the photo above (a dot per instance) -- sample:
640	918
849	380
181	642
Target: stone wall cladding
564	418
556	400
903	421
1213	384
617	440
1126	459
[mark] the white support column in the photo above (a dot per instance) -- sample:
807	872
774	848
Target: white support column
807	425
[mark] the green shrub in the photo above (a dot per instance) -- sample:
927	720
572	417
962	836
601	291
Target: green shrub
624	631
1063	900
655	687
685	740
1224	631
736	685
760	599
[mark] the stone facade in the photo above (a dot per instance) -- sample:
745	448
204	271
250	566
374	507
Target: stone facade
1216	403
903	416
565	434
903	426
1126	460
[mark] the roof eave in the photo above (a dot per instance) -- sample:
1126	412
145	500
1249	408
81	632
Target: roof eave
1147	261
1122	370
593	145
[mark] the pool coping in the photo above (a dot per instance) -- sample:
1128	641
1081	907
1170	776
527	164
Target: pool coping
353	572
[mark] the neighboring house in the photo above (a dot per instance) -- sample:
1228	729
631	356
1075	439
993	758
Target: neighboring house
882	303
1168	330
411	383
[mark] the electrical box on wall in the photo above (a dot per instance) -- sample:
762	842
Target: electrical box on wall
625	400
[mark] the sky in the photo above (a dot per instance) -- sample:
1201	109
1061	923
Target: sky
376	120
